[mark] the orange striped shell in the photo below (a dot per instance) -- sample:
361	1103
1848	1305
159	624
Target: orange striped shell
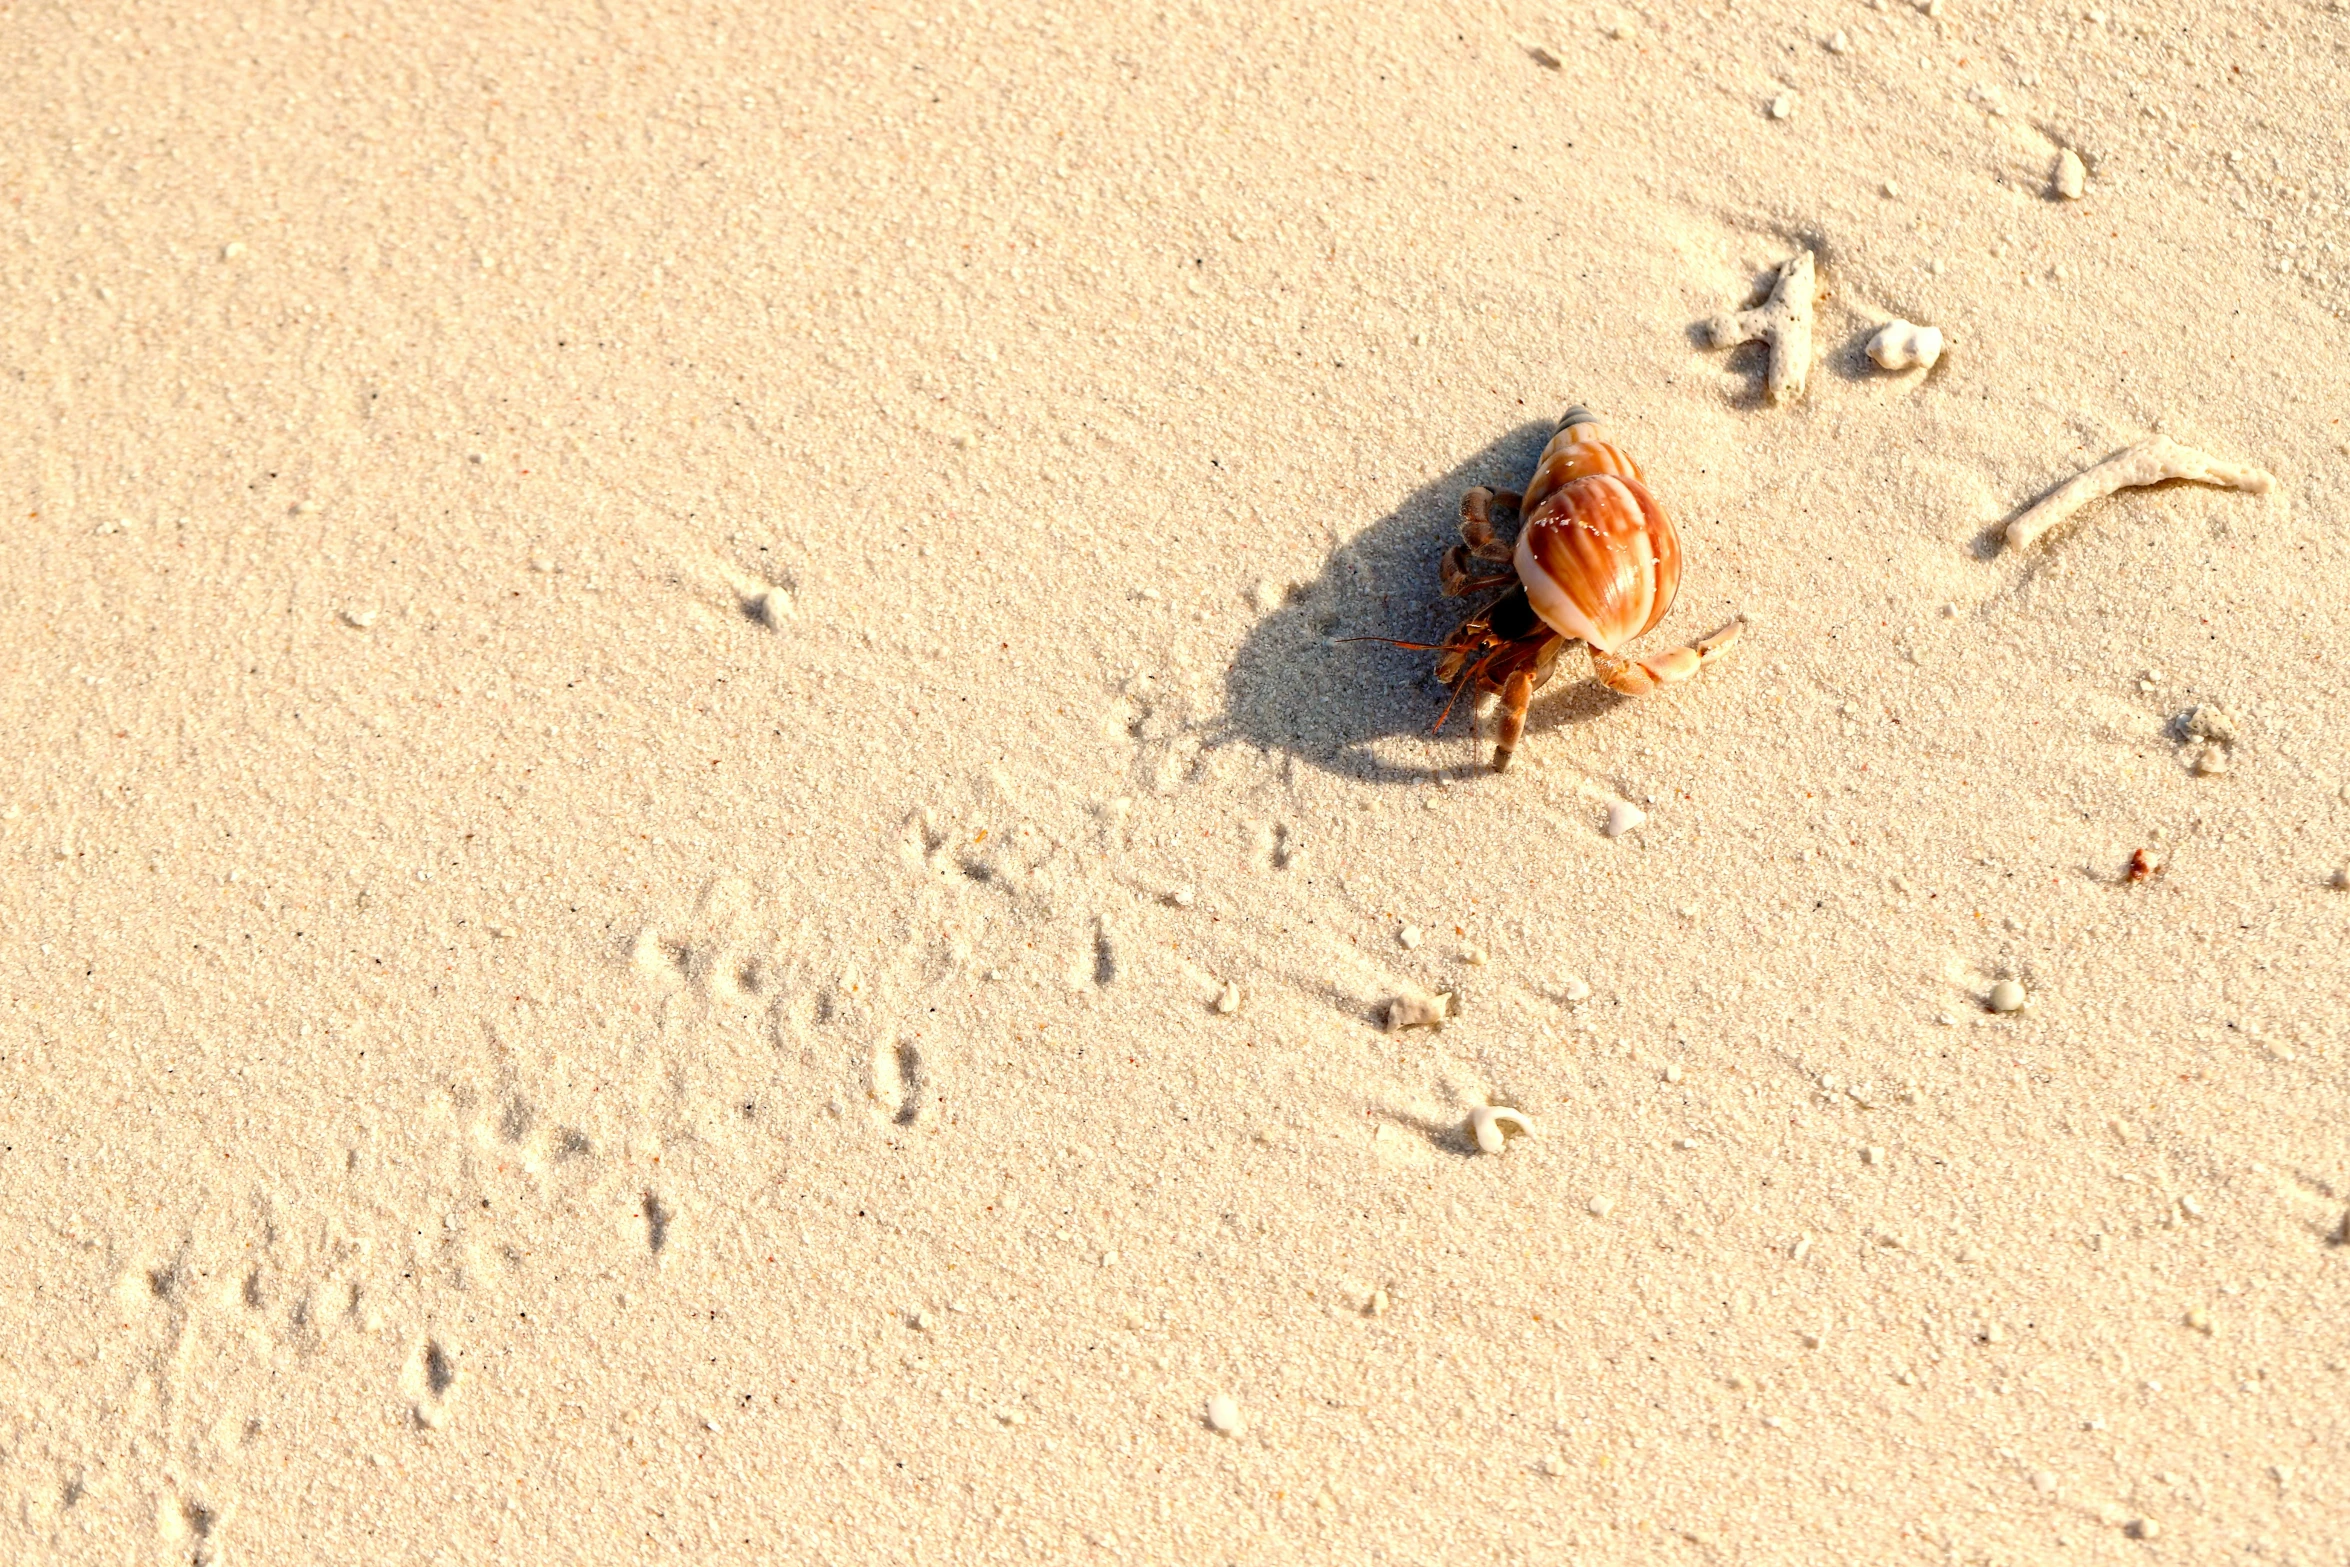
1598	556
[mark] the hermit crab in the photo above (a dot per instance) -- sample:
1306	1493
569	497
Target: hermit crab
1596	561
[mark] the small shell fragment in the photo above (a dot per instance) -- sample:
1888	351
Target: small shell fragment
2072	177
1491	1124
1601	1207
2007	996
1224	1415
1408	937
1622	817
1572	989
1903	345
1782	106
1418	1011
1228	999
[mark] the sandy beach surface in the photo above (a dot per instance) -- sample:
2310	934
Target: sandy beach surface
693	871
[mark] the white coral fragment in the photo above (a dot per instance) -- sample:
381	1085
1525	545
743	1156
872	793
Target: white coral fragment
1782	321
1491	1124
2151	461
1903	345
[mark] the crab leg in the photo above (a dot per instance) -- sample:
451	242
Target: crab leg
1516	692
1638	677
1452	572
1477	508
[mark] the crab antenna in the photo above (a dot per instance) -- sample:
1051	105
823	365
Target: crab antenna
1422	647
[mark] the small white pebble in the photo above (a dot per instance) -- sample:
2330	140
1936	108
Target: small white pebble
541	563
2072	178
360	619
922	1321
2044	1481
1491	1125
1622	32
2007	996
1267	595
1685	1143
1228	999
1672	1071
1182	897
1782	106
1838	43
1622	817
2212	761
1572	989
2143	1529
1601	1207
1800	1250
1872	1154
1224	1414
2200	1321
1774	1422
1902	345
1552	1466
1377	1305
305	508
1408	937
1474	956
232	250
1890	189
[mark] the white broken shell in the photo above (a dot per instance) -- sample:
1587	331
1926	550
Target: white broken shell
1418	1011
1903	345
1490	1124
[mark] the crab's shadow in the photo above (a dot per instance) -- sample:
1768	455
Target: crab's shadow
1360	709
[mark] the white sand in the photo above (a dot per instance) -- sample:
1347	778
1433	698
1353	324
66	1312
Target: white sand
621	633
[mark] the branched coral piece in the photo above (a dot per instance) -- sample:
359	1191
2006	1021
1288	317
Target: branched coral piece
1782	321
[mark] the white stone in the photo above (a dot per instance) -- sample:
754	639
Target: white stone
1903	345
2008	996
1622	817
2072	178
1224	1415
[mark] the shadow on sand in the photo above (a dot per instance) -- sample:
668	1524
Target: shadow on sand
1344	706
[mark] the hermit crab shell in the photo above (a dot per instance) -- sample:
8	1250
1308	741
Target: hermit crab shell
1597	555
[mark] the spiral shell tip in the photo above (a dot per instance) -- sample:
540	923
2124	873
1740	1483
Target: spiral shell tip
1577	415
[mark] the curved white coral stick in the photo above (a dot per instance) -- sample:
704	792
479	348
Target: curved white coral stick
2151	461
